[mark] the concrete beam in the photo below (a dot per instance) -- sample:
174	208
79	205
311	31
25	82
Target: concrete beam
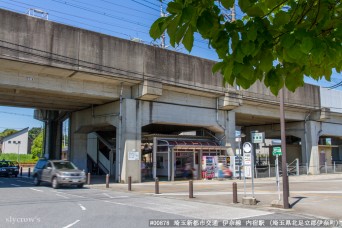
230	101
148	90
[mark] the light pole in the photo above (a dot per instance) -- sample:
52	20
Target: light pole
18	144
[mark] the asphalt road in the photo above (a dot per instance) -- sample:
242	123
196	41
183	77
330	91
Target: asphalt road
25	205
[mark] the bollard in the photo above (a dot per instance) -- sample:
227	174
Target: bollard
235	192
129	183
107	181
156	189
88	179
29	172
21	171
191	189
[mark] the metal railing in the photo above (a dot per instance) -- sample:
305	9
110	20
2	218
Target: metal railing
305	169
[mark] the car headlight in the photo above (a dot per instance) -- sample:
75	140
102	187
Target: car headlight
83	174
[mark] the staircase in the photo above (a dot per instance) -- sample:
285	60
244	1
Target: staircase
100	145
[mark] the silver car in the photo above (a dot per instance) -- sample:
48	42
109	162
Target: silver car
58	172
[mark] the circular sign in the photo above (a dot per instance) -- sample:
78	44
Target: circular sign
247	147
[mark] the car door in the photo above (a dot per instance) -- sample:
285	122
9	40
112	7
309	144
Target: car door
46	174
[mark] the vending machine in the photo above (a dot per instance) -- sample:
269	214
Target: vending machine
235	165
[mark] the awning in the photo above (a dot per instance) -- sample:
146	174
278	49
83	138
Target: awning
191	144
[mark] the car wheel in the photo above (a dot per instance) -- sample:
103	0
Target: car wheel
36	181
80	186
55	184
15	175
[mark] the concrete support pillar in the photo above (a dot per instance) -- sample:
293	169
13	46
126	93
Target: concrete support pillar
52	135
313	132
129	141
78	145
228	136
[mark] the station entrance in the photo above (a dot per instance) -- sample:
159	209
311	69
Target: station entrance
181	158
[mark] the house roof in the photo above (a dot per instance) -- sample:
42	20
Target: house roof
15	134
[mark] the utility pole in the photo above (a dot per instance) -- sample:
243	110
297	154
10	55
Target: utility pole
162	14
283	150
233	13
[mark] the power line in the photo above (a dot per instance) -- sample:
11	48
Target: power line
80	17
196	40
17	114
99	12
145	5
130	8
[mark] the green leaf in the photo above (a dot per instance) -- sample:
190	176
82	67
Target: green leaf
155	31
306	45
188	40
180	33
281	18
239	55
174	8
205	23
287	41
172	30
218	66
266	61
228	70
293	81
248	48
255	11
252	33
227	3
245	4
274	81
187	14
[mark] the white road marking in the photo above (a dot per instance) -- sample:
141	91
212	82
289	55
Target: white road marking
70	225
34	189
27	182
82	207
15	185
114	197
106	201
62	196
71	194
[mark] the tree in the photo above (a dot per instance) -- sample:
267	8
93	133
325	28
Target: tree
37	146
34	132
7	132
277	41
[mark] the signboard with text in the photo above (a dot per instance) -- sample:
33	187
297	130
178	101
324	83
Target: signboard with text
258	137
133	155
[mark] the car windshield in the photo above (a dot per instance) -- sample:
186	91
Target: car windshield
64	165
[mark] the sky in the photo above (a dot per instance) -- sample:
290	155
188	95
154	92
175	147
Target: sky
127	19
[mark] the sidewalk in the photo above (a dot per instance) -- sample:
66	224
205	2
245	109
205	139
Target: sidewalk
318	196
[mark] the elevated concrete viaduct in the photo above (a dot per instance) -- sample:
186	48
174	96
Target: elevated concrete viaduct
128	89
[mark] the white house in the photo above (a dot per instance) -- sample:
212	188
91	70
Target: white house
16	143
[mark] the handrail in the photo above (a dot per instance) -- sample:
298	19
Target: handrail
104	141
296	160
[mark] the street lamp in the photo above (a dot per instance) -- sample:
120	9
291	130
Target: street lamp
18	144
238	139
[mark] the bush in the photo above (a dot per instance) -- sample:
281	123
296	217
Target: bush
23	158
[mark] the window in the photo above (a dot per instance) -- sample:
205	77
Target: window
9	142
14	142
